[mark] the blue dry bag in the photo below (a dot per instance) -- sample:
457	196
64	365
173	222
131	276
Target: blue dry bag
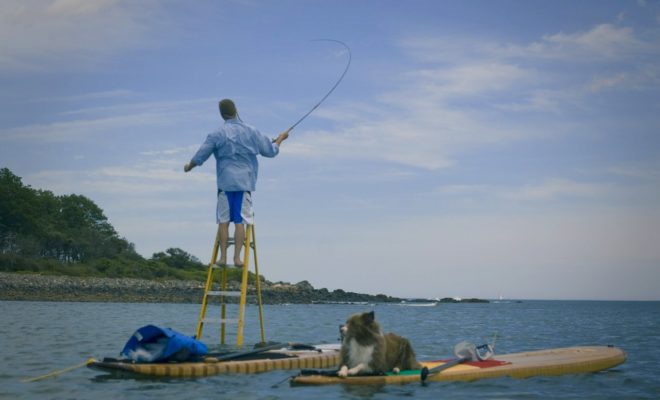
153	344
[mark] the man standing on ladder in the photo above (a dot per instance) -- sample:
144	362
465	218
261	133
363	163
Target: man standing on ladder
235	147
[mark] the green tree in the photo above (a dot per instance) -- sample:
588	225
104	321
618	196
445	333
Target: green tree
177	258
16	200
70	228
70	234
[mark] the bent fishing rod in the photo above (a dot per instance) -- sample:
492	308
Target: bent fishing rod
348	64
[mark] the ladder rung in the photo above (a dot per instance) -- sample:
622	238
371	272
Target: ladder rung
216	265
221	320
231	242
222	293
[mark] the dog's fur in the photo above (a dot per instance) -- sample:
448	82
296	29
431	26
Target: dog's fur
366	350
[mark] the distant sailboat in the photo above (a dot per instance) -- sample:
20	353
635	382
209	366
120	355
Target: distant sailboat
419	302
501	300
432	304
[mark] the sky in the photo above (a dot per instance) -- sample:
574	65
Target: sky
473	149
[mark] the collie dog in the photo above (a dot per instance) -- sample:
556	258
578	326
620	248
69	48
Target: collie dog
365	350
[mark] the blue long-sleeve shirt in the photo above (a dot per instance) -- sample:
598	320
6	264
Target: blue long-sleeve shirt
235	147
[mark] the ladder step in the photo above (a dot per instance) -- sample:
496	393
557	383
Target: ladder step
223	293
221	320
216	265
231	242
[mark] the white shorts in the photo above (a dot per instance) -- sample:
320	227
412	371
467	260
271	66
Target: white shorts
235	207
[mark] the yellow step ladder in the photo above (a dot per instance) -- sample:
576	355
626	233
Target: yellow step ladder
250	244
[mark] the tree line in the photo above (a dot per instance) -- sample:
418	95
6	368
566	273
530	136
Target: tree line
70	235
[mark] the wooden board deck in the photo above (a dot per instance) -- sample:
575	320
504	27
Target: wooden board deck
328	357
569	360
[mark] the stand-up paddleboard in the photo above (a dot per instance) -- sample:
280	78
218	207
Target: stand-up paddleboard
569	360
321	356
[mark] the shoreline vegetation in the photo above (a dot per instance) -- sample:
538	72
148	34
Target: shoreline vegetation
62	248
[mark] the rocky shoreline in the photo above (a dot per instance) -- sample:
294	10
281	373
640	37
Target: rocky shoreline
32	287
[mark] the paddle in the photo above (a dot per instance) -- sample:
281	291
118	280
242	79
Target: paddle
466	352
426	371
275	346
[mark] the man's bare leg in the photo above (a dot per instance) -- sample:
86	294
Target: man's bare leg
239	238
224	238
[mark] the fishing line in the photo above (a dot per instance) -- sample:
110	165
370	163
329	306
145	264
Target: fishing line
348	64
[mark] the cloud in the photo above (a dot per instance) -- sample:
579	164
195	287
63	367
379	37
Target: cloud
91	122
549	190
552	73
134	182
605	40
80	129
157	173
605	82
556	188
172	151
108	94
472	79
639	172
38	35
462	190
418	124
542	100
610	186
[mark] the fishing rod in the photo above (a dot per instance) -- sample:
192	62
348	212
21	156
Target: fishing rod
348	64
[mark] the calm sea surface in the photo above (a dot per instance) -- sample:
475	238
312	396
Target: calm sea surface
36	338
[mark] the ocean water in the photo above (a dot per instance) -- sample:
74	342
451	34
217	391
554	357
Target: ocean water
39	337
